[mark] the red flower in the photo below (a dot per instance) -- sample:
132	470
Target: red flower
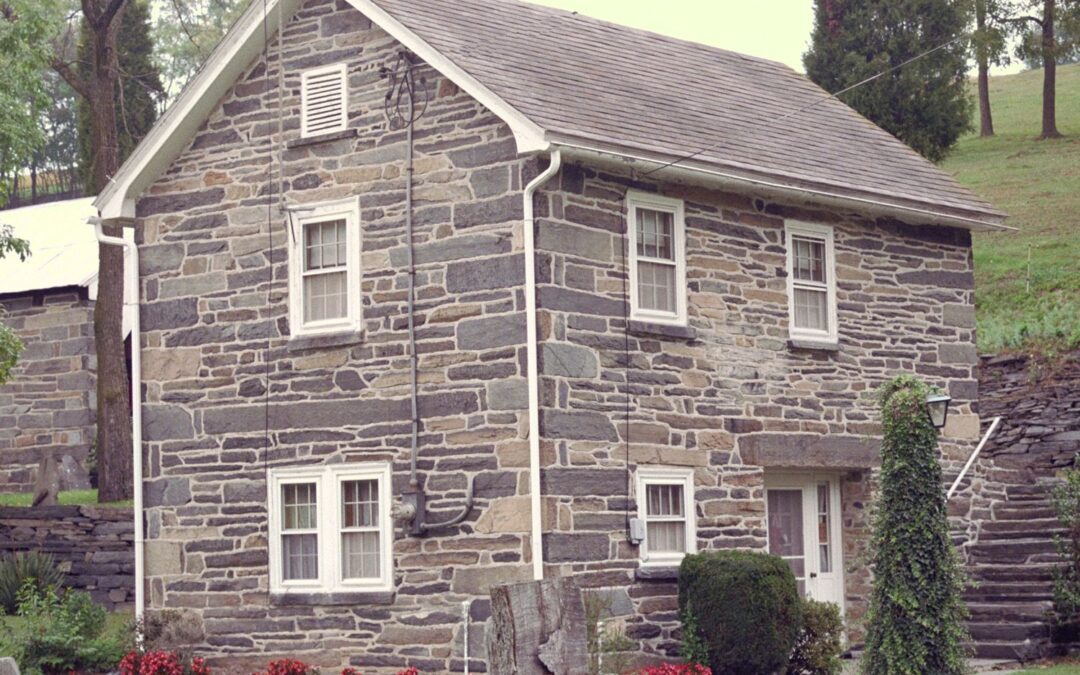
287	667
681	669
409	671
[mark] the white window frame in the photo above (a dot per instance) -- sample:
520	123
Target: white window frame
655	475
823	233
343	209
339	69
328	481
644	200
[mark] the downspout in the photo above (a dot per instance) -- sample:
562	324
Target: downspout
132	270
531	359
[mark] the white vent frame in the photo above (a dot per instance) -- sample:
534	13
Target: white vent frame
332	89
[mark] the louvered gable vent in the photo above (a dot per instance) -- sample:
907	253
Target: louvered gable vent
324	98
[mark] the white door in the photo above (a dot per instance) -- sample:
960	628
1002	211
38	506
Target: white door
803	514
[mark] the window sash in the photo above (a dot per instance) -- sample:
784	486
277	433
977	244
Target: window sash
683	479
339	224
646	244
811	301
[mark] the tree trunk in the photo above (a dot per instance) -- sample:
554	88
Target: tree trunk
113	389
986	119
537	628
1049	54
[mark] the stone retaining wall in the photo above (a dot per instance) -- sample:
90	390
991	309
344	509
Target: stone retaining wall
94	545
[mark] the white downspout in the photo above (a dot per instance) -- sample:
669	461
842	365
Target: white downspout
131	274
532	359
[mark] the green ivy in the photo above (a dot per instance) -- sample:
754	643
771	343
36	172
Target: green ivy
1067	577
916	617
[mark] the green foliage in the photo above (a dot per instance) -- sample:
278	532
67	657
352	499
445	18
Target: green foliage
26	30
1066	498
140	88
186	31
916	617
16	570
746	606
693	648
925	103
1029	42
1021	305
10	344
62	633
819	645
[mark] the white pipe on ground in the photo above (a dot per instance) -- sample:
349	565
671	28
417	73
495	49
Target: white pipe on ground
531	358
131	281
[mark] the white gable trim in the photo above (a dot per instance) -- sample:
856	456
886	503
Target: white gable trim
230	59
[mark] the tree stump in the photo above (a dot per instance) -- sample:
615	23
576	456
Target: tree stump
537	628
47	485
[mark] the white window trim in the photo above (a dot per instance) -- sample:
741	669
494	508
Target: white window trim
655	475
794	228
343	120
328	480
634	200
349	210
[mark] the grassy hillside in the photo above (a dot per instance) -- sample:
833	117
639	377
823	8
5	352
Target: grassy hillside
1024	306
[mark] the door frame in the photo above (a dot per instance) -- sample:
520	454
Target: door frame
801	480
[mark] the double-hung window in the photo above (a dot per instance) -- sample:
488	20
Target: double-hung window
656	230
665	498
811	282
330	528
324	268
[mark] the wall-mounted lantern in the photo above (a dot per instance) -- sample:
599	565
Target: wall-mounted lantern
937	407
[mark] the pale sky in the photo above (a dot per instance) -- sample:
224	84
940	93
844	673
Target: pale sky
773	29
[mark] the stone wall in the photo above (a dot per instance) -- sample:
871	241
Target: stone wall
215	291
95	546
48	405
731	397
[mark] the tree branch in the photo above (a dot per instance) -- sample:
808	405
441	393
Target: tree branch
64	69
1019	19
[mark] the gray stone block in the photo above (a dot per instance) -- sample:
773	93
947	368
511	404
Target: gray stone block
566	360
491	332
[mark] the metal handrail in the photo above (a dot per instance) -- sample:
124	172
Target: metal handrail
971	460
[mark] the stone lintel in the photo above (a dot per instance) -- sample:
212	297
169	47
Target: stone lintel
810	451
656	573
321	138
661	330
293	599
299	343
814	345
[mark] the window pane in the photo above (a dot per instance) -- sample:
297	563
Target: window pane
656	234
301	556
785	524
656	287
361	503
325	297
811	309
666	537
809	260
664	500
299	506
324	245
360	555
825	560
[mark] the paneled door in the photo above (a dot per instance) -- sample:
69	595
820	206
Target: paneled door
803	514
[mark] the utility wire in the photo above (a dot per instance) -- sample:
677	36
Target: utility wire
812	104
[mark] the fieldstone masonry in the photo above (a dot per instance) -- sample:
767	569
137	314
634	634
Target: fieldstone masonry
48	405
229	393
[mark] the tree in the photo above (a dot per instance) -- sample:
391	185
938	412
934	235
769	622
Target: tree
1057	26
923	103
10	344
140	87
97	81
989	44
185	33
916	618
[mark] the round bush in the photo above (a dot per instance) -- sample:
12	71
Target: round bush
820	642
747	609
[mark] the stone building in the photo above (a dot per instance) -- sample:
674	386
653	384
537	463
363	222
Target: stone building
48	300
715	288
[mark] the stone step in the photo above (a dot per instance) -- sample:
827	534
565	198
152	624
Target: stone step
1020	533
1008	612
1014	631
1008	650
1032	525
990	572
1010	550
1014	511
1018	592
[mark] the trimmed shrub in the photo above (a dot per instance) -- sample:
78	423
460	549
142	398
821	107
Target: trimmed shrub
16	569
818	647
916	616
746	606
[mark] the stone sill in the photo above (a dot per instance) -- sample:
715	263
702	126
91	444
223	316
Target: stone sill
661	330
299	343
294	599
322	138
813	345
656	573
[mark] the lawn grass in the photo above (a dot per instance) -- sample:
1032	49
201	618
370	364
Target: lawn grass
1024	306
1059	669
69	497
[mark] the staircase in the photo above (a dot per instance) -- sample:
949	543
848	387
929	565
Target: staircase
1012	560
